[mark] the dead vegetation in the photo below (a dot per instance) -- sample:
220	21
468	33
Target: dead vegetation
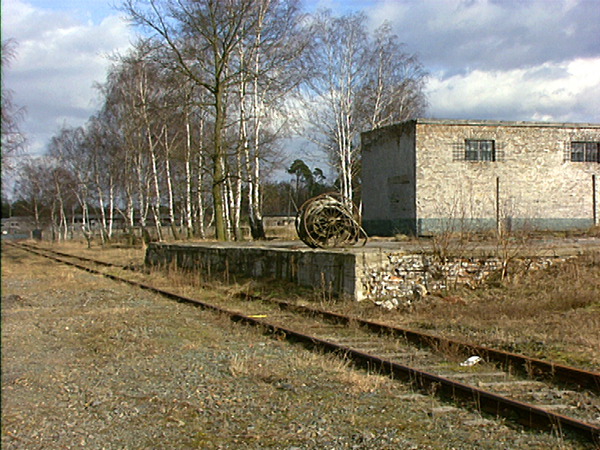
552	313
89	363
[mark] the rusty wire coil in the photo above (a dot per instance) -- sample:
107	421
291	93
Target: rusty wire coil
329	220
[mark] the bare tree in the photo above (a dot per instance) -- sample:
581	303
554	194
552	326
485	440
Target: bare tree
226	47
32	188
194	120
201	157
120	128
103	152
54	186
147	91
202	36
175	145
117	161
273	50
394	88
359	81
339	63
131	98
13	139
69	151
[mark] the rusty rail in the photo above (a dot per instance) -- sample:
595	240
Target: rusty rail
526	414
534	368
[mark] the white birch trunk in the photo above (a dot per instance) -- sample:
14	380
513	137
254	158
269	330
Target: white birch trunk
170	185
111	207
189	224
200	196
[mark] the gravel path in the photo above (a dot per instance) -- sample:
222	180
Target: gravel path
88	363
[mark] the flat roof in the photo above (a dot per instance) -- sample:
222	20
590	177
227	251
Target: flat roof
497	123
506	123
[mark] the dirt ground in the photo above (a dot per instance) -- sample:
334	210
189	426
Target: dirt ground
90	363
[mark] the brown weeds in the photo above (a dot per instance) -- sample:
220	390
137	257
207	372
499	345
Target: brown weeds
557	309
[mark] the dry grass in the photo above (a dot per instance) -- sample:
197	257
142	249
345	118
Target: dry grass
357	382
116	254
552	313
89	363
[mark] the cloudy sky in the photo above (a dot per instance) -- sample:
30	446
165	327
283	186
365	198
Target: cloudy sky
488	59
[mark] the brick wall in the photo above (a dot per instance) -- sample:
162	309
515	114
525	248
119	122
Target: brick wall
388	180
532	181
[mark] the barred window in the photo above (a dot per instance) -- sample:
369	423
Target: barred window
480	150
585	151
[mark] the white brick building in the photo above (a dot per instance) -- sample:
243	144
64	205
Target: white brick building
428	175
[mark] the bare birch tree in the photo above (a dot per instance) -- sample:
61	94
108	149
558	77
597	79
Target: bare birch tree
69	151
359	81
131	97
13	139
104	150
61	188
339	63
272	58
394	87
220	45
121	132
31	187
203	36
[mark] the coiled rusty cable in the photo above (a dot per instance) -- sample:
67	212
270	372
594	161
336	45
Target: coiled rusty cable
329	220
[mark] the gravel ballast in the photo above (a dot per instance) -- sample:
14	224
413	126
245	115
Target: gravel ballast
88	363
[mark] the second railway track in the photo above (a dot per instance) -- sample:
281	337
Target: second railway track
532	392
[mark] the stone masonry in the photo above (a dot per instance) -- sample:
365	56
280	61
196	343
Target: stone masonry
390	277
417	177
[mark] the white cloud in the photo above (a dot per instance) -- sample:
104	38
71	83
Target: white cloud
561	92
59	58
494	34
489	59
504	59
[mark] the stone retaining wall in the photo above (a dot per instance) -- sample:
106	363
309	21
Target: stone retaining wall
388	278
399	279
332	272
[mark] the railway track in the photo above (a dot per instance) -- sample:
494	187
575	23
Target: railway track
534	393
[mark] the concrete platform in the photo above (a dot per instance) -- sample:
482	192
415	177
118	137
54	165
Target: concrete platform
335	271
382	269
